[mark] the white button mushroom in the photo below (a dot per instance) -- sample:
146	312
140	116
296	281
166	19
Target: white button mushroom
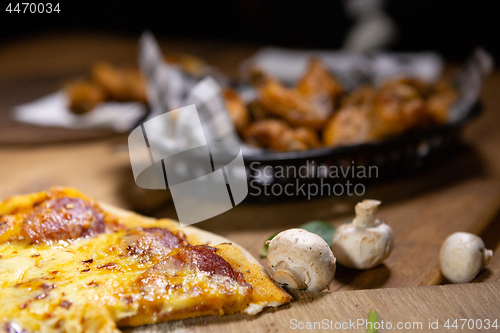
301	260
462	256
366	242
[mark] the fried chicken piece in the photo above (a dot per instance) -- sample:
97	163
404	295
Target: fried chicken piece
106	83
318	80
292	106
257	111
277	135
237	109
362	96
351	125
398	106
309	104
84	96
421	87
441	98
120	84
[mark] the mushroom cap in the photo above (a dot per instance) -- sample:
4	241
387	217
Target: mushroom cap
462	256
362	247
301	259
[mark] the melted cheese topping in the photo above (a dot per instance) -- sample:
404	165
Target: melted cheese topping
37	282
94	284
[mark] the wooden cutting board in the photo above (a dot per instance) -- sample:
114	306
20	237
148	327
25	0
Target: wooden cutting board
417	309
462	194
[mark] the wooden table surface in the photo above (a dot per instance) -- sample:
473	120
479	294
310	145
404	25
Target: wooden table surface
462	194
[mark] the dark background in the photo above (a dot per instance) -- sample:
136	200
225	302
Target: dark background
452	28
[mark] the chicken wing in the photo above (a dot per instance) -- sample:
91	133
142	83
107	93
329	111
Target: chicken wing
398	106
84	96
441	98
352	124
277	135
319	81
237	109
362	96
309	104
120	84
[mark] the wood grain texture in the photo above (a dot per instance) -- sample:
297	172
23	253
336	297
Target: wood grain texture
408	306
462	194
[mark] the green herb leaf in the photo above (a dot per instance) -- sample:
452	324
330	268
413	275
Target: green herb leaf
263	253
320	228
372	318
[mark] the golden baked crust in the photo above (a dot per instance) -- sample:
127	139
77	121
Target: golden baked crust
71	264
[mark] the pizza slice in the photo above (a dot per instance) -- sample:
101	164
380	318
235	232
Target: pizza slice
71	264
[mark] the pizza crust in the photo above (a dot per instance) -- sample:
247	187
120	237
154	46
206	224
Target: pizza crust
268	294
45	286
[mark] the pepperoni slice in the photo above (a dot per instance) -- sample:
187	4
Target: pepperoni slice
63	219
166	237
13	328
205	258
157	241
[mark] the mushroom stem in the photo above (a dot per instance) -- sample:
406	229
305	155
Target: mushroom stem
290	278
365	213
486	257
